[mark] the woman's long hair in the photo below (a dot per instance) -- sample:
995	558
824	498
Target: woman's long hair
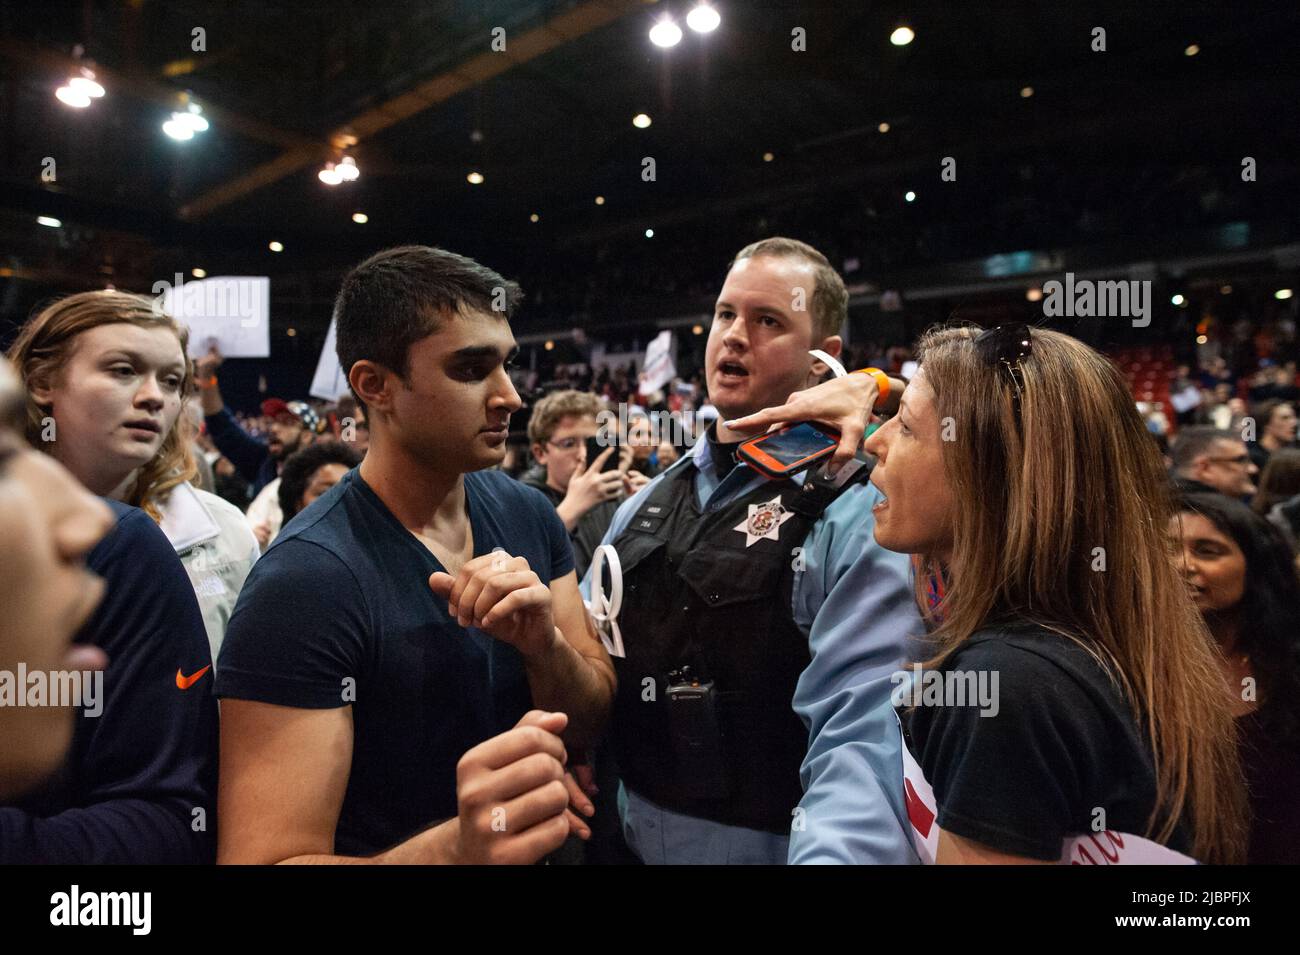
1279	482
43	347
1268	611
1061	513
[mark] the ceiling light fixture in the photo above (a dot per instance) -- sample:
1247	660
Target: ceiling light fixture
665	33
80	89
902	36
703	18
184	124
70	97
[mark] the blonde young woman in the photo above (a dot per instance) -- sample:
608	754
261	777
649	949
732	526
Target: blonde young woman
1020	473
107	376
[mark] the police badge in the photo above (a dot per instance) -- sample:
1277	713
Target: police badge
764	521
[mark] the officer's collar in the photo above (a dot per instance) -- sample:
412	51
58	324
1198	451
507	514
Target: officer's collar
722	454
701	455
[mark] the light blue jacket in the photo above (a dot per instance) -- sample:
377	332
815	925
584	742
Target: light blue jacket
853	600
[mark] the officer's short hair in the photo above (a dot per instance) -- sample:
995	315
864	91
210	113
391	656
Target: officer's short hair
830	299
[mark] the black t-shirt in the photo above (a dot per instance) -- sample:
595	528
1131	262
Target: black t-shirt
1271	766
338	612
1062	744
138	771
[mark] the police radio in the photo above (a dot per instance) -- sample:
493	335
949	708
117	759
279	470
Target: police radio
696	735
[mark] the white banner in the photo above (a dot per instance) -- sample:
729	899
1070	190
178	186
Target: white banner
231	312
329	382
659	368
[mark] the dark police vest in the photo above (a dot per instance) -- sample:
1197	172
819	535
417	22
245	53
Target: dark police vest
712	590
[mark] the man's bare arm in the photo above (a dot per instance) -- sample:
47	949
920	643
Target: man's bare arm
284	772
575	675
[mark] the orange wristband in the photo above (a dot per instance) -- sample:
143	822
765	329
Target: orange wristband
882	381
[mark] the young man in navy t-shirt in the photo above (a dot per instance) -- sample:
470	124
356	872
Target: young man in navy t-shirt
400	626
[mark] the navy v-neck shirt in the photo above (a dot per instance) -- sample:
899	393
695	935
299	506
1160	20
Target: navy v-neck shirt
338	612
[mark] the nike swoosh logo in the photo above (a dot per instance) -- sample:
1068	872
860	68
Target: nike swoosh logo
185	682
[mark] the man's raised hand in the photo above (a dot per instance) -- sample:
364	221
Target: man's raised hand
511	795
500	595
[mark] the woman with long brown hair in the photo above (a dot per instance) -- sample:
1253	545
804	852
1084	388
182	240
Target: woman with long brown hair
1240	572
107	376
1020	472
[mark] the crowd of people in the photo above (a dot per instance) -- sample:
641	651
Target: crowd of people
609	638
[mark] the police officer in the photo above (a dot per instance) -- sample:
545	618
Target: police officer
760	622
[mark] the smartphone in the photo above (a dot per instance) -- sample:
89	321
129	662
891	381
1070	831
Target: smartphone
791	449
595	449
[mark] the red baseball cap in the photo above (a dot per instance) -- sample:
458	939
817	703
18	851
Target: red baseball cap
275	408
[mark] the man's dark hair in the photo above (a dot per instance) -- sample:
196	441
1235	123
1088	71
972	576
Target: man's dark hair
300	466
1192	442
346	407
399	296
1265	409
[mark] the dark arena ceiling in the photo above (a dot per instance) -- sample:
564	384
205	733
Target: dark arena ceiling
1139	143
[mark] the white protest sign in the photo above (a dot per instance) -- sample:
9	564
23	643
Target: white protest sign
659	368
232	313
1186	400
329	382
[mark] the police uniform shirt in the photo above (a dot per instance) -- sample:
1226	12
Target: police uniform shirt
853	600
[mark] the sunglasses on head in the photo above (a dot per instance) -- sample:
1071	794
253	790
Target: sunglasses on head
1006	346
